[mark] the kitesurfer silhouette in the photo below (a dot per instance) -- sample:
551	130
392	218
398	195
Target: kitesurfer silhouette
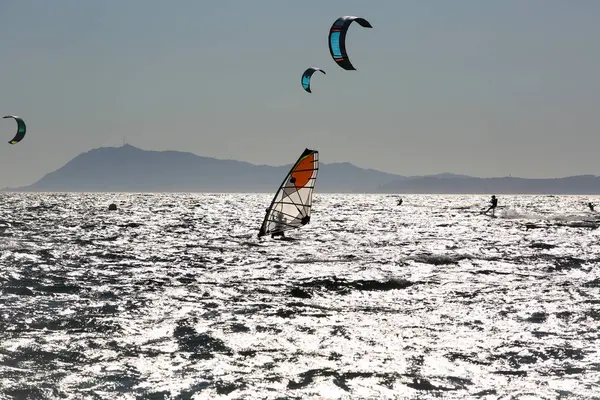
494	204
591	206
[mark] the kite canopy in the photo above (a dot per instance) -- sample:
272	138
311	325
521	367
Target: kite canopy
306	77
292	203
20	129
337	39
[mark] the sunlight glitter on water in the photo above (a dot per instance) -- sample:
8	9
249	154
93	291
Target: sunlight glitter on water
174	295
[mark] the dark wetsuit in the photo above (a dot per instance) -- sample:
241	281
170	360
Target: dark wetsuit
493	206
591	206
280	224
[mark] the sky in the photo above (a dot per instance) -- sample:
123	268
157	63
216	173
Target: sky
473	87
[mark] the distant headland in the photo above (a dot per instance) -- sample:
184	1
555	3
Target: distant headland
131	169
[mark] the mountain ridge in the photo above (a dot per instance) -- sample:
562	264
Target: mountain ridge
128	168
131	169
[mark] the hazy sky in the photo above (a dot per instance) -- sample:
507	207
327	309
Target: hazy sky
486	88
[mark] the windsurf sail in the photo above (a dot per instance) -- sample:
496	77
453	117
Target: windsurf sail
292	203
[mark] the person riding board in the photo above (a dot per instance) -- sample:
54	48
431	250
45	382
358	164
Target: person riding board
494	204
591	206
279	227
400	201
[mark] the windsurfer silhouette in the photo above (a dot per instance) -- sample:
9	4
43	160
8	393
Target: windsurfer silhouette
279	224
591	206
494	204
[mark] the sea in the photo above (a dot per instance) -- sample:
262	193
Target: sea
173	296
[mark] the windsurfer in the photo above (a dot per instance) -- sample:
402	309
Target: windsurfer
494	204
279	226
591	206
291	205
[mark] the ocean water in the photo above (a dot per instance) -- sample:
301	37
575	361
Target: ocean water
173	296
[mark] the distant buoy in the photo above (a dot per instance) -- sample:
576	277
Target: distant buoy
112	207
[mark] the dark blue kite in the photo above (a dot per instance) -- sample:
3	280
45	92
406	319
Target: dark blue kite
307	75
21	129
337	39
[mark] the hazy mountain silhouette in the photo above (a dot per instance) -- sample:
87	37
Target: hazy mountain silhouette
130	169
447	184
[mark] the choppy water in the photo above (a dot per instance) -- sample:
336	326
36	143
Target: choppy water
174	297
